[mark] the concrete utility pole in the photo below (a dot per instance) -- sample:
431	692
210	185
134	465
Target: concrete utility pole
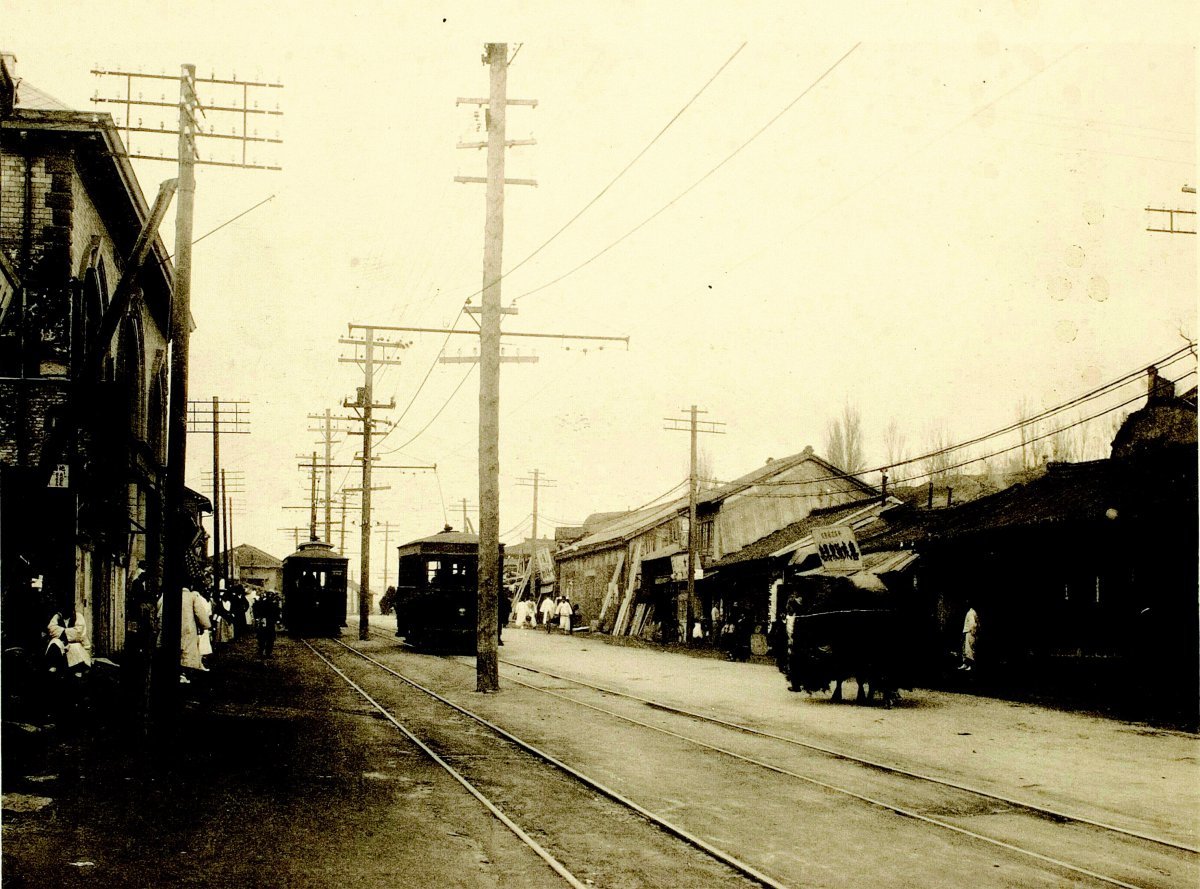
692	425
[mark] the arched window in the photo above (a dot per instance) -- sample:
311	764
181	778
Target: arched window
156	410
131	373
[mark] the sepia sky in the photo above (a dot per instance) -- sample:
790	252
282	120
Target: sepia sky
950	222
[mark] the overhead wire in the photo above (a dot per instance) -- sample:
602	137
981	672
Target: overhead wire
569	222
697	182
603	191
1091	395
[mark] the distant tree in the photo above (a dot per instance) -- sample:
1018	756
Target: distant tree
937	461
844	441
895	444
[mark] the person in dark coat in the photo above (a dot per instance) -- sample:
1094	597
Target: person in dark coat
266	619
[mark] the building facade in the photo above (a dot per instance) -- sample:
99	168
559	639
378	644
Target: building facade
82	422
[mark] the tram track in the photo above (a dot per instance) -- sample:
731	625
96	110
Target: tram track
738	871
877	801
1040	810
1164	862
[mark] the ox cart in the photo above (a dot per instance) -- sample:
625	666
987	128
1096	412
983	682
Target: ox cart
842	628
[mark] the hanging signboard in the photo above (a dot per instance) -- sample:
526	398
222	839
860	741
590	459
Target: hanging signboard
60	478
837	548
679	568
545	564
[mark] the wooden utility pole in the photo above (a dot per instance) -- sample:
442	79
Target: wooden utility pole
536	480
388	528
327	431
175	574
692	425
365	406
206	416
175	571
229	536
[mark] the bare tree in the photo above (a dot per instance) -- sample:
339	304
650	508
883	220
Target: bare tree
895	444
1028	432
705	478
844	441
937	461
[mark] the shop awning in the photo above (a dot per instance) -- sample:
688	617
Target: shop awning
874	565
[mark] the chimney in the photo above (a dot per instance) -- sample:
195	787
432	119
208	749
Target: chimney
1158	389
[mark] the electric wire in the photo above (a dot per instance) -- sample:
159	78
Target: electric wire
569	222
1091	395
944	469
603	191
696	183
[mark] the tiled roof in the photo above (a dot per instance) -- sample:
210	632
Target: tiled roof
34	99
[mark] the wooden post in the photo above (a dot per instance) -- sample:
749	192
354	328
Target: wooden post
487	676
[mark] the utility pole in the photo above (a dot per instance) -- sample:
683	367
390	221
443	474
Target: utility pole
388	528
535	481
229	542
342	541
225	484
692	425
204	416
295	532
365	406
1172	226
466	522
175	574
487	678
327	439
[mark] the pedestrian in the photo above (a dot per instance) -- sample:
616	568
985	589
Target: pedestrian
266	618
717	617
547	613
564	614
970	633
576	616
193	618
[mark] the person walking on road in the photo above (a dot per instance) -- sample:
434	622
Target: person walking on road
970	632
546	609
564	615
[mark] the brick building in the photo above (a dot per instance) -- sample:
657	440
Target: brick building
82	422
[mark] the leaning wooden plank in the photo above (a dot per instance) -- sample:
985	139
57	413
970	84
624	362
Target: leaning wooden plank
614	584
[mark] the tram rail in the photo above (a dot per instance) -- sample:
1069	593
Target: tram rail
1179	851
732	862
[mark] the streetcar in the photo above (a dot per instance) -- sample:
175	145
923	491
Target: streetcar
437	591
314	590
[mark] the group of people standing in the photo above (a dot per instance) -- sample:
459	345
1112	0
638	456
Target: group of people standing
551	612
223	618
